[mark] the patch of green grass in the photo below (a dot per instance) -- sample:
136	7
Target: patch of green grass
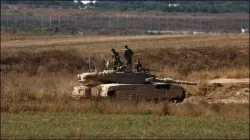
31	125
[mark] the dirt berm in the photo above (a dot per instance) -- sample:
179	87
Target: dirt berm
221	93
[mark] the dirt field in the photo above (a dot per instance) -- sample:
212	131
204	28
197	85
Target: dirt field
161	41
38	73
48	61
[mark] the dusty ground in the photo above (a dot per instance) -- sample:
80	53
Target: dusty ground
235	91
160	41
221	93
52	58
228	81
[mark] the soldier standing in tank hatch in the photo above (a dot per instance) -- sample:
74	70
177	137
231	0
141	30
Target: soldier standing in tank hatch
138	66
116	59
128	53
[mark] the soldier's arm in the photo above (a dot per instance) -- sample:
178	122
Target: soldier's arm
139	67
112	58
124	54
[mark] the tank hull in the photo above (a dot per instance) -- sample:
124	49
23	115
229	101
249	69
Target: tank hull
155	91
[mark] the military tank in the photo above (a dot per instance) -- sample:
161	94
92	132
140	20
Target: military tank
129	85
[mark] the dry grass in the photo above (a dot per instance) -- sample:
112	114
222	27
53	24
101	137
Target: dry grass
39	76
200	59
127	107
142	41
179	62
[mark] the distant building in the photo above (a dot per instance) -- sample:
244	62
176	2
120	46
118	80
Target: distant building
174	5
86	4
244	31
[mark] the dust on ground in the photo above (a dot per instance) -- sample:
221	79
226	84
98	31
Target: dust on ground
221	93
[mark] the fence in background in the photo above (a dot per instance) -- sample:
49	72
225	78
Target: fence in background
169	23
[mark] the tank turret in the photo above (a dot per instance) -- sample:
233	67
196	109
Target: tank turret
112	76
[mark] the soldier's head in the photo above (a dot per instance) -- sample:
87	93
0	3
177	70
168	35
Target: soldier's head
113	50
126	46
138	60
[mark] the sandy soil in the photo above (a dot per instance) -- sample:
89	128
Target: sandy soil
217	90
139	41
227	81
223	91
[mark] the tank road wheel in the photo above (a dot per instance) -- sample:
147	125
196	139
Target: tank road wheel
112	94
179	98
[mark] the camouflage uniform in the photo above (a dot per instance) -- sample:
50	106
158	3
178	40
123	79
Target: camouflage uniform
128	53
138	66
116	59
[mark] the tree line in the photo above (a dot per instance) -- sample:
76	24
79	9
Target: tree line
213	6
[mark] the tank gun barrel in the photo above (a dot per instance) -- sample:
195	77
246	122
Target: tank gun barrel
169	80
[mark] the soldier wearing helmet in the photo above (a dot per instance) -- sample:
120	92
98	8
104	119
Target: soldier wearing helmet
128	53
138	66
116	58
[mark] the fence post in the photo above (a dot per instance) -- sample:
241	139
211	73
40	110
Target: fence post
159	23
49	20
24	17
175	24
233	23
93	22
151	23
192	23
109	22
84	22
208	28
142	22
90	20
41	21
241	27
59	20
33	20
101	21
15	20
7	20
118	21
184	24
200	23
126	21
134	22
211	24
167	24
67	21
77	20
